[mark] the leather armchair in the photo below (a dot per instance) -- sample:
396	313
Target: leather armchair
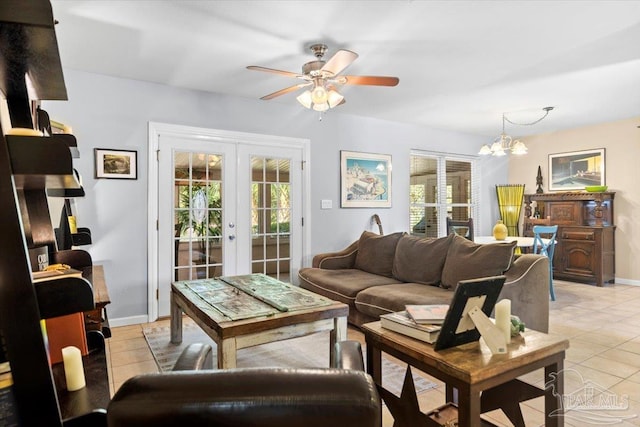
263	397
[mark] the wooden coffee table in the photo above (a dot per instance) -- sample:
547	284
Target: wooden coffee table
483	381
231	335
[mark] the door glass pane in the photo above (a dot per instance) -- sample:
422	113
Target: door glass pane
271	214
458	189
423	196
197	215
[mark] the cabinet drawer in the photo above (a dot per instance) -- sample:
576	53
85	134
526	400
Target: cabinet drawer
578	235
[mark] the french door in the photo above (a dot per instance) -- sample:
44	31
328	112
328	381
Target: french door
225	207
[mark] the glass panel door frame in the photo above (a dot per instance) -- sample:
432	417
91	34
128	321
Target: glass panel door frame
265	244
442	206
155	130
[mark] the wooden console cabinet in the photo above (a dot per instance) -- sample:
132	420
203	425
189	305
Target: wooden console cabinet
585	248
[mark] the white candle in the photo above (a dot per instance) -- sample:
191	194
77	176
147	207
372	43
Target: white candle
503	318
73	369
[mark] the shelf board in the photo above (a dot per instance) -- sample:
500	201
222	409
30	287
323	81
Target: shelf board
90	398
61	296
32	165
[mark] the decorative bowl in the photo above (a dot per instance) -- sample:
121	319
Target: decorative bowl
596	188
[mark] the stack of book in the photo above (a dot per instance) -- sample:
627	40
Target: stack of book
421	322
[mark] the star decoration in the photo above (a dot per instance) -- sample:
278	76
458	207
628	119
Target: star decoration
404	409
519	391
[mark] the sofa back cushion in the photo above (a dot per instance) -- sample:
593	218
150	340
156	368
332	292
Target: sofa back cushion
468	260
420	260
375	253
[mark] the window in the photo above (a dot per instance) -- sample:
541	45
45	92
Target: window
440	186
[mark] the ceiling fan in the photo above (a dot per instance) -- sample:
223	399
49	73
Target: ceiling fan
323	79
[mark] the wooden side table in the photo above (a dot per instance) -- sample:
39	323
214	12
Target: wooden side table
96	319
471	369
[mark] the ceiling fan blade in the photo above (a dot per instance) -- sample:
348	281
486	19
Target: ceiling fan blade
284	91
369	80
338	62
272	70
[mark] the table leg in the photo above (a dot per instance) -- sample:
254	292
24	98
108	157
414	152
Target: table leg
227	353
468	407
554	391
176	321
374	363
337	334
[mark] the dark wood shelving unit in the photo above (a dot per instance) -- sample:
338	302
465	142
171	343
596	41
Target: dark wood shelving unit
29	167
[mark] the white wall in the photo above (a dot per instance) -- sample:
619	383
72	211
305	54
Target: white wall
107	112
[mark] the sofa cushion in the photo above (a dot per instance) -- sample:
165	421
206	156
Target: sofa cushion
420	260
389	298
375	253
468	260
340	285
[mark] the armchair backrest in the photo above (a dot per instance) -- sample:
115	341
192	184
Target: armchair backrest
195	395
261	397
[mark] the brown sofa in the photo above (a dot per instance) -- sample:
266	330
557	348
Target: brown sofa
381	274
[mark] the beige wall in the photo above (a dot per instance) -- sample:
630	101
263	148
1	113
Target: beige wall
621	141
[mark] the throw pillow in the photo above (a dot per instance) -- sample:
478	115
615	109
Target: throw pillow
468	260
375	253
420	260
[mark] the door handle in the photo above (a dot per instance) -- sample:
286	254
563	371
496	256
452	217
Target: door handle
232	236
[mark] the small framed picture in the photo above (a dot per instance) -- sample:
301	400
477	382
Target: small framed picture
365	180
576	169
116	164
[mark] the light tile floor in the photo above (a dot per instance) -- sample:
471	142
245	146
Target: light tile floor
602	324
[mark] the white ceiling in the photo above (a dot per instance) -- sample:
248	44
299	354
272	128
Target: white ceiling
461	64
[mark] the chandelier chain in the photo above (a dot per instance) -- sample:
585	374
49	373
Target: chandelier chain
546	112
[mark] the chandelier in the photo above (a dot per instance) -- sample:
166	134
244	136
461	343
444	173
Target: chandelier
504	143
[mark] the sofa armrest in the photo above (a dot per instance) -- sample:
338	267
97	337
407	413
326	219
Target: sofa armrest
527	286
345	258
194	357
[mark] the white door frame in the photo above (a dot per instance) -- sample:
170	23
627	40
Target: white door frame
155	130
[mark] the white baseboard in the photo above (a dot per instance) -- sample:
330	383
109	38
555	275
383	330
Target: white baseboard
620	281
126	321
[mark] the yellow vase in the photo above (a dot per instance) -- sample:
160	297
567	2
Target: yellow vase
500	231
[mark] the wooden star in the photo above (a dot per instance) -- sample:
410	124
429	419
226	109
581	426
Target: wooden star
507	397
404	409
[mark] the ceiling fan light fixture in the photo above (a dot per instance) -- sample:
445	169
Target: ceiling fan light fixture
321	77
319	94
305	99
334	98
321	107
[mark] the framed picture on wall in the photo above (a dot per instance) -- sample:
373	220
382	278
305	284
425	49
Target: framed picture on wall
576	169
365	180
116	164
